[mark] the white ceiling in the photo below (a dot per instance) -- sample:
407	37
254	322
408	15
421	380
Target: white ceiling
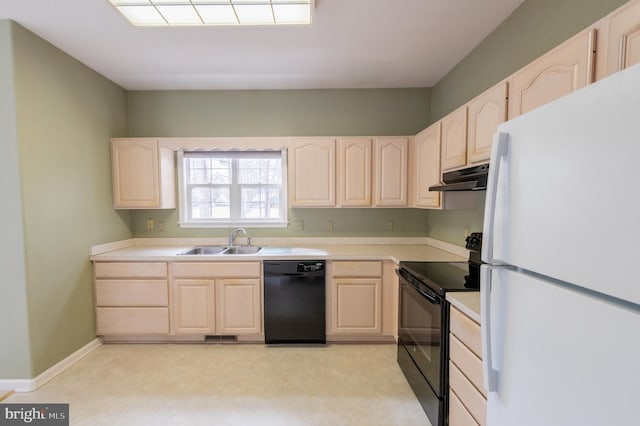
351	44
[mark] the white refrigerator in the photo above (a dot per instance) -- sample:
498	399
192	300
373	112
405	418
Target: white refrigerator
561	289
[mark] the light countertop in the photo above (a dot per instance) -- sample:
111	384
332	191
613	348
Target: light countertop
396	249
467	302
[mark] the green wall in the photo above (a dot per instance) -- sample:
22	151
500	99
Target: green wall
534	28
352	112
284	113
65	114
15	362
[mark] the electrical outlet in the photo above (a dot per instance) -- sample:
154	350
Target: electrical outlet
161	225
330	226
150	224
389	225
298	225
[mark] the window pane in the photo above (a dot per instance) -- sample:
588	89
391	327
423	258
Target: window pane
273	203
199	170
261	203
210	203
259	171
209	170
221	170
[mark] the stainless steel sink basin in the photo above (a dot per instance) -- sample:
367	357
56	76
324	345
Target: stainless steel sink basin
212	250
205	250
242	250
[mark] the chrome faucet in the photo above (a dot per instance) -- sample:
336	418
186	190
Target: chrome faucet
234	234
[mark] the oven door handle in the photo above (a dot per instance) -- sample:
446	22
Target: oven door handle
433	298
429	297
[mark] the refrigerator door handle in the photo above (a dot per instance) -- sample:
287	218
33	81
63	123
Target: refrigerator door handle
499	150
488	372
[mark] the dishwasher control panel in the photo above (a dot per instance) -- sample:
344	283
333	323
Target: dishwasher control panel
311	267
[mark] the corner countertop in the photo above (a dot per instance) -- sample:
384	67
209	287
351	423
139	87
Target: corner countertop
396	249
467	302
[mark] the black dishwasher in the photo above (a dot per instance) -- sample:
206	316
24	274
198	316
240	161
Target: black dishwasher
294	301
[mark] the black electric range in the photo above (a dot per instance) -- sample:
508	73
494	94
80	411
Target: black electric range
423	324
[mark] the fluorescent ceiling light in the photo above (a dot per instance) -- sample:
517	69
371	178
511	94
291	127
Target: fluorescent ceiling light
142	15
254	13
215	12
180	14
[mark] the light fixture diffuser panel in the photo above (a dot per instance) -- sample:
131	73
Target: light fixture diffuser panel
218	14
215	12
142	15
180	14
254	14
292	13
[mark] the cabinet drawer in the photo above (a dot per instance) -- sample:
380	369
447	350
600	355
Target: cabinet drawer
216	270
468	394
466	330
132	293
130	269
132	321
467	362
458	414
357	269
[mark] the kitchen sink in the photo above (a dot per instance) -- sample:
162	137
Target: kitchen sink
242	250
212	250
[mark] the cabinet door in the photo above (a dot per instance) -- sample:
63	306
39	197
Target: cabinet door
312	172
454	140
354	172
391	156
485	111
239	307
194	307
623	41
425	155
143	174
561	71
356	307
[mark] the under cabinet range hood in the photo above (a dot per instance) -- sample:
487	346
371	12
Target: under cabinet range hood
469	179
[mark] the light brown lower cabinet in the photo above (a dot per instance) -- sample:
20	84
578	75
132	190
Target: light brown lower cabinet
467	396
362	301
458	414
132	298
217	298
355	297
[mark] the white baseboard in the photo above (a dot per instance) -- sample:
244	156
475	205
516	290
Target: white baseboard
29	385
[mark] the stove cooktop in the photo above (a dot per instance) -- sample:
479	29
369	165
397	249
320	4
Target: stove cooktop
441	276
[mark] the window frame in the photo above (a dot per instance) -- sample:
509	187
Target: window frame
184	191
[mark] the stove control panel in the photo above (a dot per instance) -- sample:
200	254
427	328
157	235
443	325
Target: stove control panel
474	241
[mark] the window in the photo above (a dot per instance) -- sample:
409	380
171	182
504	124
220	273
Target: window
222	188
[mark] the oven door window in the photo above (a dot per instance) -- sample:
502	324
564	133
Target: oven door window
421	333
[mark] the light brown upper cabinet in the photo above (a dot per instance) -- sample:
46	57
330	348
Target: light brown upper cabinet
485	112
454	140
354	172
143	174
424	153
559	72
390	158
312	171
623	38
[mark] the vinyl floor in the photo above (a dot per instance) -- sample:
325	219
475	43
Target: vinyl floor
234	384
